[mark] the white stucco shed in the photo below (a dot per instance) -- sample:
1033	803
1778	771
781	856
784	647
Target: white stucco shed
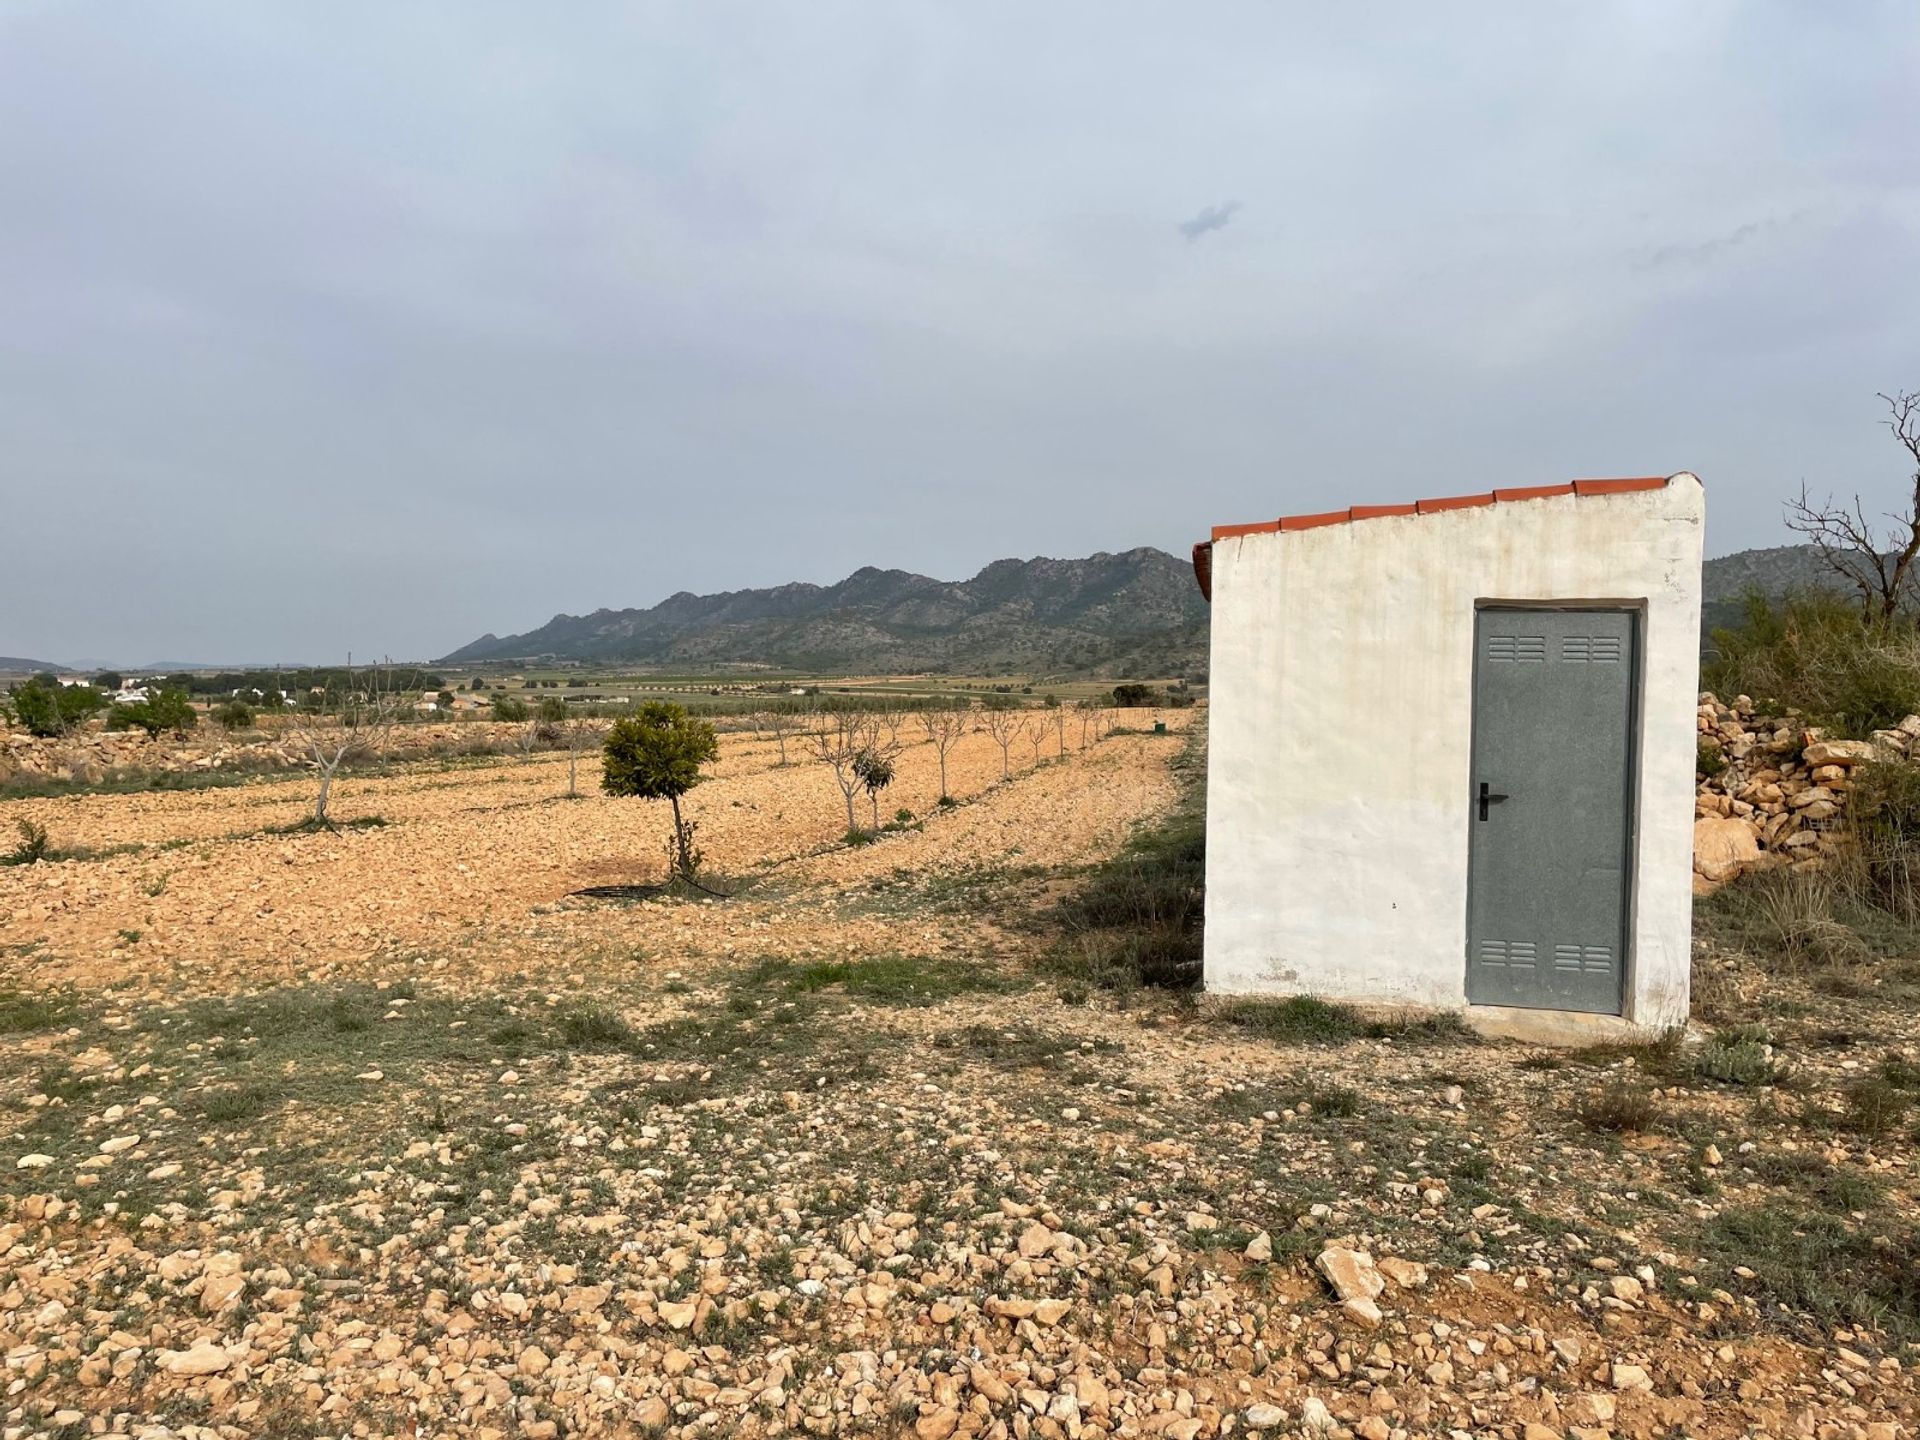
1451	753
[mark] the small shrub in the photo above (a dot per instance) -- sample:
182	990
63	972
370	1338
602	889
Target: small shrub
1330	1101
234	715
1709	759
1740	1056
231	1104
594	1027
34	845
1874	1107
1621	1107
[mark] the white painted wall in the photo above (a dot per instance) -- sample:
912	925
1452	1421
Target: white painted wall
1341	708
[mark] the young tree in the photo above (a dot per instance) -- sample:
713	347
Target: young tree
1003	724
1035	729
509	708
1875	564
780	721
582	734
837	738
944	728
1058	715
355	715
656	754
873	767
1089	720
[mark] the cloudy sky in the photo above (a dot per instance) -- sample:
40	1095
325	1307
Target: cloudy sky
338	326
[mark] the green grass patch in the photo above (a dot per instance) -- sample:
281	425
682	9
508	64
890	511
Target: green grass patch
885	979
1821	1270
21	1013
1309	1020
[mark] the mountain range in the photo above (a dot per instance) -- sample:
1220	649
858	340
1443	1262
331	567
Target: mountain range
1135	613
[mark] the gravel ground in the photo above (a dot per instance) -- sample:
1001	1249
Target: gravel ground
388	1132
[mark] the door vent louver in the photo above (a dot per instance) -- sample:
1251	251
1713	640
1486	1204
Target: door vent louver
1583	959
1591	649
1514	954
1521	649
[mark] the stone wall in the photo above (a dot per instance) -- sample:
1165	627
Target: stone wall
1777	794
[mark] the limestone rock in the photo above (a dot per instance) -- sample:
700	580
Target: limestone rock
1722	848
1351	1273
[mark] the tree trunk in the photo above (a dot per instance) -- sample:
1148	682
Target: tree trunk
943	772
680	866
847	794
573	765
320	800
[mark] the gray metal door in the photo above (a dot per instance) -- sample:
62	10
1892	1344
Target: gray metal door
1550	808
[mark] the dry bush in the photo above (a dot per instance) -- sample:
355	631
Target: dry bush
1621	1107
1796	919
1884	813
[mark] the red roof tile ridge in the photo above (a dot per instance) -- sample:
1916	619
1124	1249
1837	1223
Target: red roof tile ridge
1290	523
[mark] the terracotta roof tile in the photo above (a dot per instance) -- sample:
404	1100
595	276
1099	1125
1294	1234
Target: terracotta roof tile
1313	522
1428	507
1453	502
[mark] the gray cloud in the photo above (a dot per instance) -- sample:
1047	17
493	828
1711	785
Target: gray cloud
1211	217
1704	251
331	326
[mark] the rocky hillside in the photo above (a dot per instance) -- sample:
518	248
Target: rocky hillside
1136	613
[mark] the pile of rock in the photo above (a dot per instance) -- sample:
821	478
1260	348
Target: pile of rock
1772	791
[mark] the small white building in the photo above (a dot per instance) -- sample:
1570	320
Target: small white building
1451	754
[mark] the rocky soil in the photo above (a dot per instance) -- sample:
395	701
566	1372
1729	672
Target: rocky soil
392	1131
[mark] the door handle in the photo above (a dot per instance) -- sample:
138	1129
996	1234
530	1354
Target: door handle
1488	796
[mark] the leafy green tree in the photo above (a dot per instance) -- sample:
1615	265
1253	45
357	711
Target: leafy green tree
444	699
656	754
508	707
46	707
234	715
553	710
161	710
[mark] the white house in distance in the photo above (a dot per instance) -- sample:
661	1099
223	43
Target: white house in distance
1451	754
